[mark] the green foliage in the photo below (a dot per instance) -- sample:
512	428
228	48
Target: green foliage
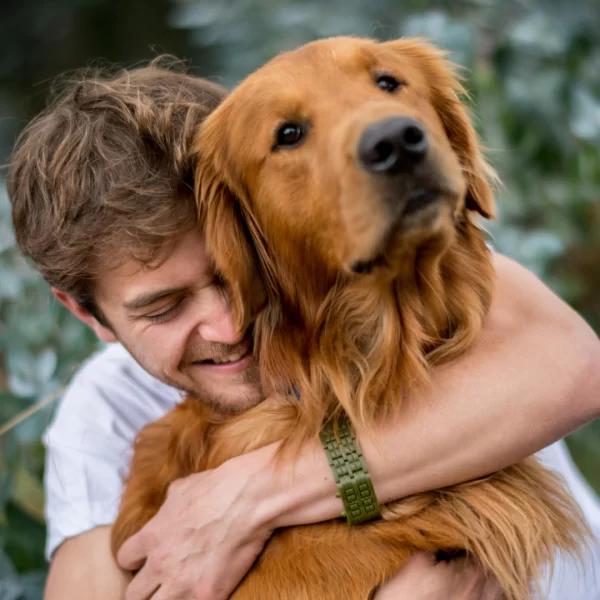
13	586
534	78
39	347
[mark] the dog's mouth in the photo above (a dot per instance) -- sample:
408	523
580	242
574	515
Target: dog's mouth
419	211
419	200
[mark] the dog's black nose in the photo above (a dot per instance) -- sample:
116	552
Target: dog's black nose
392	145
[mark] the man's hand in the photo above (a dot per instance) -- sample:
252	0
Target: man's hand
201	543
421	578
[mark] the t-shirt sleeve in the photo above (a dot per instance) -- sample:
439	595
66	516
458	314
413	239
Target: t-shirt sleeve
88	444
575	578
82	492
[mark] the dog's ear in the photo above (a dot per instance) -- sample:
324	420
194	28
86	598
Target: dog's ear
446	91
228	240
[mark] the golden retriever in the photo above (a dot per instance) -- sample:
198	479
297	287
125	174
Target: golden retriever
348	173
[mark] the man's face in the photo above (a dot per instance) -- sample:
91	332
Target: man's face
175	320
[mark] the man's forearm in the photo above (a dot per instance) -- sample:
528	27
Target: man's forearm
445	437
530	380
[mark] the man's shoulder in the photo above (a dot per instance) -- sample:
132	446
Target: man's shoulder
113	373
113	364
110	395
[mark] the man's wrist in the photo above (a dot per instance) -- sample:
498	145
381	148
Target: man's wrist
287	490
308	488
254	498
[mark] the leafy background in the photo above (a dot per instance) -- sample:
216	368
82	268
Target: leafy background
534	75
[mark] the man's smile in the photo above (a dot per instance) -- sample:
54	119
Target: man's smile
230	365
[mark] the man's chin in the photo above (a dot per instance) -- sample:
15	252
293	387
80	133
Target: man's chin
230	402
228	407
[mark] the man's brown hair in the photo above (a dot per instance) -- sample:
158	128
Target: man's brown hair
106	171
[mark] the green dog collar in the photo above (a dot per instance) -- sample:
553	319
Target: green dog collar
354	484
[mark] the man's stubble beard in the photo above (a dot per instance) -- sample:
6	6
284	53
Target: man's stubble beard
231	403
222	403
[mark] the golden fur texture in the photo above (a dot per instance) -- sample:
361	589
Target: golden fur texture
302	218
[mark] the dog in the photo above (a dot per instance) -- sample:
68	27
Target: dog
348	174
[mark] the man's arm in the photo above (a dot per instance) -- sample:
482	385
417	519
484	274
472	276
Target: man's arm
530	380
83	568
80	570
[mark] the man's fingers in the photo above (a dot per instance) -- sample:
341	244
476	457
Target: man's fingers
143	586
418	563
175	485
470	576
163	594
422	577
133	552
492	590
422	558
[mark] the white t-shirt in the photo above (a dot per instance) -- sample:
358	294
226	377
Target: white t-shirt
88	450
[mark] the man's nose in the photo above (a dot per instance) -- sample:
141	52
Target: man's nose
220	326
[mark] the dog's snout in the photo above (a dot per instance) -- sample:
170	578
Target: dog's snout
392	145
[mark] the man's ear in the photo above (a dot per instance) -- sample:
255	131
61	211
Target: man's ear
103	332
446	91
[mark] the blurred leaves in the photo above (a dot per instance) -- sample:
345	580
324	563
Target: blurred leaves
24	540
39	346
28	494
15	587
20	587
534	77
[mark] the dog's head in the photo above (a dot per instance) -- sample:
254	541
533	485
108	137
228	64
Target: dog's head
340	156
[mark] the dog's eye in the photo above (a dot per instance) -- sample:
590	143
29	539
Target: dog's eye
388	83
289	135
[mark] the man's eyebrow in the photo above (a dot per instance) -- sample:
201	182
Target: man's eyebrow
151	298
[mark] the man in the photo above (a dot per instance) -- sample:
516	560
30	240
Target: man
102	203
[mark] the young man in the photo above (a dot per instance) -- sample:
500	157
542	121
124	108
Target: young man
102	203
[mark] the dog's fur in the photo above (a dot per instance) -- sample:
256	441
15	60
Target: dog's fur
351	343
